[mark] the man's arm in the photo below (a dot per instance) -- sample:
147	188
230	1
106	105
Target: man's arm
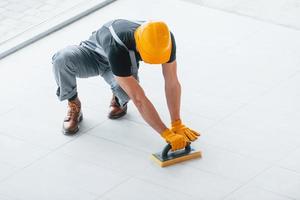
173	95
148	112
145	107
172	89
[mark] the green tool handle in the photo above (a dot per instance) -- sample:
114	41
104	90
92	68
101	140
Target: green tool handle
168	147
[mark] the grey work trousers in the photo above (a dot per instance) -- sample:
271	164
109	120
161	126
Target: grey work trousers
78	61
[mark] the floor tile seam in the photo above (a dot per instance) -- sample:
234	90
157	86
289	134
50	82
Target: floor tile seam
223	176
198	169
279	194
99	197
119	120
42	157
143	123
139	122
41	23
160	114
205	117
120	144
291	147
228	115
218	175
97	164
235	110
202	116
249	181
26	166
113	141
81	189
288	169
19	169
254	18
238	43
263	188
7	164
164	186
266	190
250	101
98	124
8	111
94	108
25	141
292	150
281	82
241	155
275	192
78	135
245	155
77	187
266	91
85	131
14	169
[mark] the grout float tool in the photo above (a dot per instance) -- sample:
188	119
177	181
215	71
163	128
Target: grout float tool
167	157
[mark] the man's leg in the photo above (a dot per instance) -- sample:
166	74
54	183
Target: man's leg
69	63
118	105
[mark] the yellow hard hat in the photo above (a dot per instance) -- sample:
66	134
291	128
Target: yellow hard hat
153	41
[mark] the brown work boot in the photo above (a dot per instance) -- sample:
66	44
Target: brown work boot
115	110
73	118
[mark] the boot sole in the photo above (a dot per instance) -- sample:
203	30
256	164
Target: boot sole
74	131
117	116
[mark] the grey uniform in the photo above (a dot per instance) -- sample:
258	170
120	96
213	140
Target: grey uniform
85	60
110	51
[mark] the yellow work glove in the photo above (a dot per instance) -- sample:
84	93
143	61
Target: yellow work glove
181	129
176	141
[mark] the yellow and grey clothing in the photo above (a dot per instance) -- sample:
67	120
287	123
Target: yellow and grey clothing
115	40
109	51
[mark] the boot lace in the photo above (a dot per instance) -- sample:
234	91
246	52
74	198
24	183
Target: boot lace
73	109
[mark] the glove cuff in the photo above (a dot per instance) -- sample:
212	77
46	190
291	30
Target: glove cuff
176	123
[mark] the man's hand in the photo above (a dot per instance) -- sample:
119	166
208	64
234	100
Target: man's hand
181	129
176	141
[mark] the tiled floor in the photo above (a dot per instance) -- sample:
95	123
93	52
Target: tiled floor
240	80
17	17
283	12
